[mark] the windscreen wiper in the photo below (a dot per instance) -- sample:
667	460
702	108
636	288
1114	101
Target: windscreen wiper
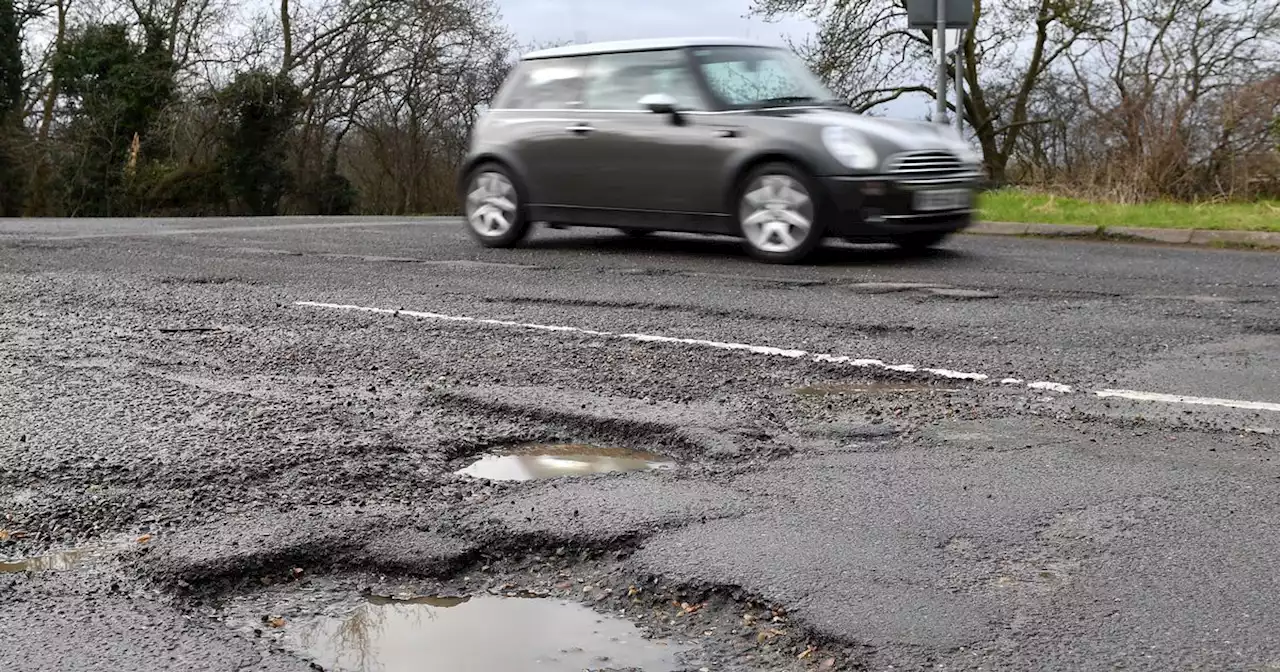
785	100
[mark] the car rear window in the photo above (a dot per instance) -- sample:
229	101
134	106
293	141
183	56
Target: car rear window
543	84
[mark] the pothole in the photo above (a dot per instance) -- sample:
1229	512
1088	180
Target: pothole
577	609
482	633
64	560
71	558
50	562
876	387
535	462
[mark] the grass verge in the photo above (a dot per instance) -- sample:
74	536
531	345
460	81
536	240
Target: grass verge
1014	205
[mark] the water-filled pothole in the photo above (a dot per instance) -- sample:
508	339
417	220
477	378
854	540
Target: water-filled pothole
478	634
73	558
58	561
875	387
528	463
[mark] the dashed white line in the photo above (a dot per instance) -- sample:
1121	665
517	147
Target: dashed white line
1184	399
652	338
792	353
1052	387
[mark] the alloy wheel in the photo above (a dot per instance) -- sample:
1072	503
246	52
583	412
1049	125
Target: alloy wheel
776	213
491	204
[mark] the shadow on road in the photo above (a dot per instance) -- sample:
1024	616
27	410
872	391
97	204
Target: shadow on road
832	253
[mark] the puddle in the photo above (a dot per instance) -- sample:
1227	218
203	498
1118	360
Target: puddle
477	634
71	558
428	600
52	562
551	461
880	387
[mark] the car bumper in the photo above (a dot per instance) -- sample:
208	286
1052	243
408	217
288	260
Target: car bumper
882	207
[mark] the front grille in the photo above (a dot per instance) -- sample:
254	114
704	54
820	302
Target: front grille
923	164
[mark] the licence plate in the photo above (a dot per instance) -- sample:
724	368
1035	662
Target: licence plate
942	199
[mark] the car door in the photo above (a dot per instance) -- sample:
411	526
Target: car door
646	162
541	119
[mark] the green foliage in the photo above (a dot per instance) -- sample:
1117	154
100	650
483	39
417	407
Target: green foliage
11	132
12	179
1038	207
261	144
10	61
331	194
194	190
118	89
258	112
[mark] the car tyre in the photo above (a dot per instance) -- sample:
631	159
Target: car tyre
781	217
494	207
919	242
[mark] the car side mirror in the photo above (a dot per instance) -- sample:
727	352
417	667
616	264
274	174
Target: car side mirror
661	103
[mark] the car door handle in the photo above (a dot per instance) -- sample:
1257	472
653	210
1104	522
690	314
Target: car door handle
727	133
580	129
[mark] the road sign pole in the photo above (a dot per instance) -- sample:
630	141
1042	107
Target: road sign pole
960	82
939	16
941	31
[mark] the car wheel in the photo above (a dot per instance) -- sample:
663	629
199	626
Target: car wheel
494	207
779	214
918	242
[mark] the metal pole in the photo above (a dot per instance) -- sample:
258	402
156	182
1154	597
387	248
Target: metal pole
941	32
960	83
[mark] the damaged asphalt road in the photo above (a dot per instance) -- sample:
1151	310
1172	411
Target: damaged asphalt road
188	401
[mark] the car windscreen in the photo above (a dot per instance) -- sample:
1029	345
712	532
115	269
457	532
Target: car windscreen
745	77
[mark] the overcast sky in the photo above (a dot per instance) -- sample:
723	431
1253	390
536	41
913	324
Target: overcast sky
596	20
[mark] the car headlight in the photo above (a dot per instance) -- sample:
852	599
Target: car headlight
849	148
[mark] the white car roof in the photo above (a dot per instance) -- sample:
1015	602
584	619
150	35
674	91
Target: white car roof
642	45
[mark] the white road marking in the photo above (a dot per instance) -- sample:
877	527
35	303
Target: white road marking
1052	387
813	356
758	349
1183	399
651	338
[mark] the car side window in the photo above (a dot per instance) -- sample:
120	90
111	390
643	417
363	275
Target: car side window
618	81
544	84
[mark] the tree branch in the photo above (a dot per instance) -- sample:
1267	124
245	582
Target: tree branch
894	93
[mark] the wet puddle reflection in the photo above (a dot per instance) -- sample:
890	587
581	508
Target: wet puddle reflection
478	634
879	387
551	461
59	561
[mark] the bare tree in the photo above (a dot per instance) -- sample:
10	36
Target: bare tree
1174	89
866	51
45	90
384	69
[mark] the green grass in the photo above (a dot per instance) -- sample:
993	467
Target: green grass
1011	205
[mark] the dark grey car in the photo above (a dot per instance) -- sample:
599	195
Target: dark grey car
715	136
